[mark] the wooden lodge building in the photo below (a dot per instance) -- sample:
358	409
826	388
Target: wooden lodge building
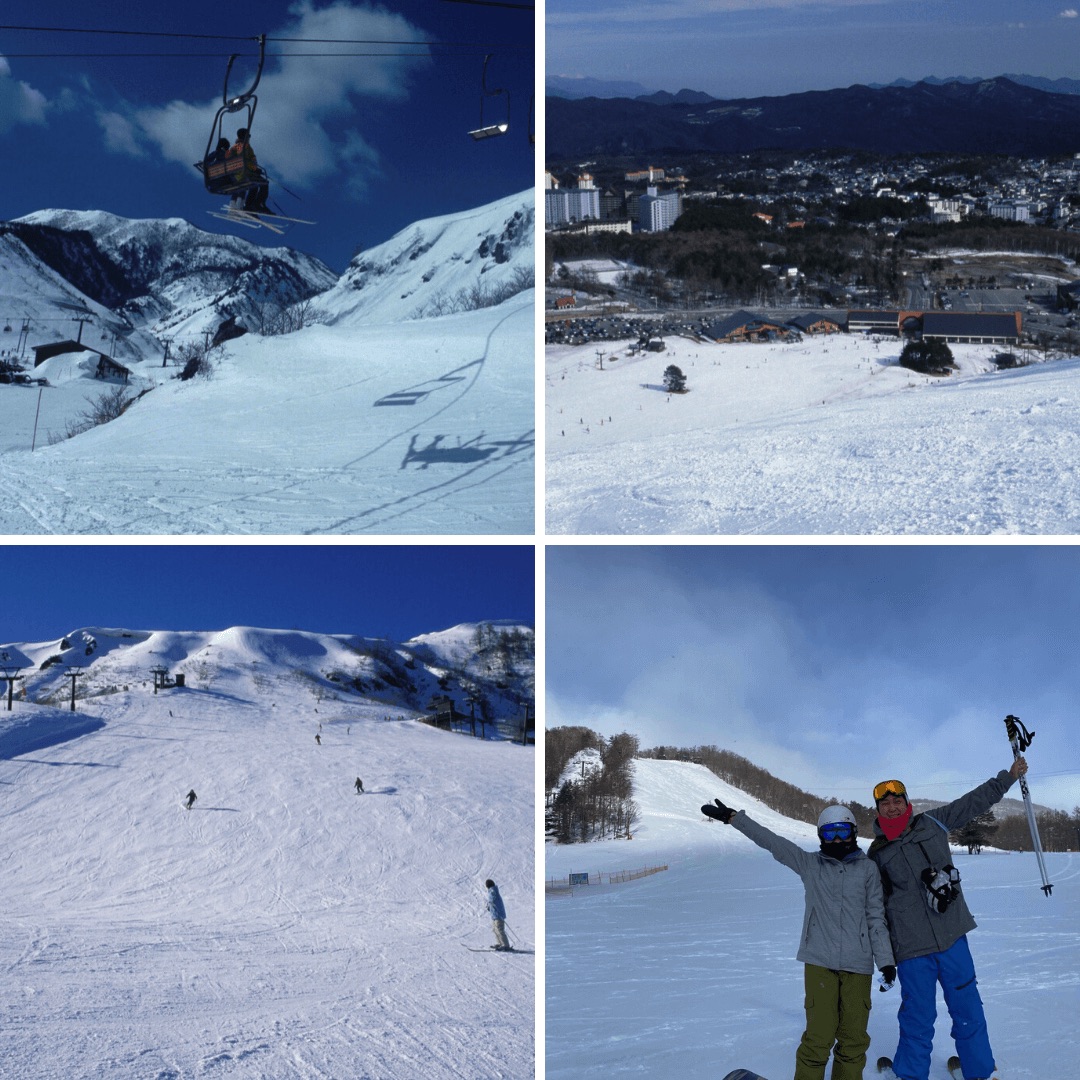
107	367
973	328
977	328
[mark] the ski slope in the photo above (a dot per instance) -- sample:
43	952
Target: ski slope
284	927
824	436
692	971
413	427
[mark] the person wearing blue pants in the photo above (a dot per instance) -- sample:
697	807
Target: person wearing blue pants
919	976
929	922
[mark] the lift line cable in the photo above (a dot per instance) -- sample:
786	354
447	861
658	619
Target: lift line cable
236	37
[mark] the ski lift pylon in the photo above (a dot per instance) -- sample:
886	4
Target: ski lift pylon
486	131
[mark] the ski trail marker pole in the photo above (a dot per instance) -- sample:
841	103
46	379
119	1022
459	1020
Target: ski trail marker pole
1020	738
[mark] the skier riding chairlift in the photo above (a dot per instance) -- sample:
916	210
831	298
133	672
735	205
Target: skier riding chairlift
225	173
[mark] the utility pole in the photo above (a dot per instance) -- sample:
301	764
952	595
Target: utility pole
81	322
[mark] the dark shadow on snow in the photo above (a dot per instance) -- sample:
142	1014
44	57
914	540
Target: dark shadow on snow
27	734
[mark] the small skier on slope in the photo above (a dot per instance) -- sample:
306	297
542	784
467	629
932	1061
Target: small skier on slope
191	797
844	934
497	911
359	785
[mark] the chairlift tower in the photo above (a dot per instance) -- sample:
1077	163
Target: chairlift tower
161	678
73	674
11	674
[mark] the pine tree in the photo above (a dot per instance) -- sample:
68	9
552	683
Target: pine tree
674	380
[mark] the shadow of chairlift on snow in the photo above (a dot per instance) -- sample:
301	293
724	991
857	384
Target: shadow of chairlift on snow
471	452
414	395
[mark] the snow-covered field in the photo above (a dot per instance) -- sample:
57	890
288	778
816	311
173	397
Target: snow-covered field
692	972
284	927
826	436
411	427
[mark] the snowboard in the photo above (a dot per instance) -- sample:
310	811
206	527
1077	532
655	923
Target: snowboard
743	1074
884	1066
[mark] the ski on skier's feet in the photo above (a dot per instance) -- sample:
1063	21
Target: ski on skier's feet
955	1072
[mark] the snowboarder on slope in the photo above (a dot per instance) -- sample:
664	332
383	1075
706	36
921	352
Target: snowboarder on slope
191	797
497	911
359	786
929	921
843	936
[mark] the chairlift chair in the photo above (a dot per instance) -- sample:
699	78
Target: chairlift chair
487	131
230	176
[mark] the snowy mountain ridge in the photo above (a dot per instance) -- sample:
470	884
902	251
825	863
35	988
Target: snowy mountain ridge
438	266
491	663
167	276
169	279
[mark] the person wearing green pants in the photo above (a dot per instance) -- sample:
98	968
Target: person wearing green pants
844	934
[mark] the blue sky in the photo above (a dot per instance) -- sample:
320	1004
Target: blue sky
370	142
753	48
394	591
834	667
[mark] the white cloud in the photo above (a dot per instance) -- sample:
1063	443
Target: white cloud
20	103
120	133
301	100
1070	13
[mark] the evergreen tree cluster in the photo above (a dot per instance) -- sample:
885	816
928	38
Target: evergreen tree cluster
598	803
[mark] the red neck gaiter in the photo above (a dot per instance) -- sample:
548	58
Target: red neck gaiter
893	827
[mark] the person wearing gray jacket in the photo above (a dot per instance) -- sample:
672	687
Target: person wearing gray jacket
929	921
843	936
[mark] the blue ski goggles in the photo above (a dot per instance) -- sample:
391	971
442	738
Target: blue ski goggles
837	830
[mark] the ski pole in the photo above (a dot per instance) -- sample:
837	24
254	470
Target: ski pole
1020	739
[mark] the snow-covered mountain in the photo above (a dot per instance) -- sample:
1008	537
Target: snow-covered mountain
173	280
287	925
489	663
439	266
167	276
380	422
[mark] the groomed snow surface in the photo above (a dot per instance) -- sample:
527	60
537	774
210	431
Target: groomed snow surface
825	436
285	926
691	972
413	427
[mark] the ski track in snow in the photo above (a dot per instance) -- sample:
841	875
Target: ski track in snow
825	436
284	926
420	427
692	971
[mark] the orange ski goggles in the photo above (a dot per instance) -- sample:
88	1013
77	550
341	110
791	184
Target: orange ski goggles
889	787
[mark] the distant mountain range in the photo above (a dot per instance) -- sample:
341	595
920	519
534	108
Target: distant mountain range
992	116
565	86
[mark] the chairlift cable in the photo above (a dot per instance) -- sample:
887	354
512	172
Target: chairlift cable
248	37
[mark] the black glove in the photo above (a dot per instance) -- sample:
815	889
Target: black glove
720	812
888	977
